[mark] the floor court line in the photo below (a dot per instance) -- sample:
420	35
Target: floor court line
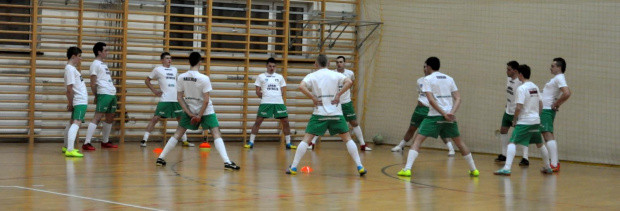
81	197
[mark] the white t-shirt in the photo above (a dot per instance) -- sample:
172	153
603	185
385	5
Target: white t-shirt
167	79
325	85
528	95
346	96
552	92
511	87
104	80
73	76
271	85
193	85
442	86
421	95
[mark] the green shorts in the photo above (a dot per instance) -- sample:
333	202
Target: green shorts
434	126
418	115
348	111
507	120
277	111
106	103
526	135
168	110
79	111
319	124
546	120
207	122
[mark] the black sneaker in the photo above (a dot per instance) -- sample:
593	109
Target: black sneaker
160	162
143	143
231	166
524	162
500	158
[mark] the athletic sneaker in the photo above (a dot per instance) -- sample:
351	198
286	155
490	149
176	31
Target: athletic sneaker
187	144
292	171
64	149
160	162
108	144
503	172
524	162
500	158
361	170
231	166
250	145
74	153
555	168
546	170
289	146
397	149
404	173
88	146
143	143
365	148
474	173
311	146
451	153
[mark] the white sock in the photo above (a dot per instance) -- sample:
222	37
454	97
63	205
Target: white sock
66	138
172	142
358	133
288	139
301	150
89	133
545	155
510	155
525	151
313	140
106	132
410	159
402	143
252	137
184	137
470	160
219	145
504	139
552	146
352	148
72	134
146	136
449	144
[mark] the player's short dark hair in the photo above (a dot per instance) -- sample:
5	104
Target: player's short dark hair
525	71
194	58
271	60
341	57
560	62
322	60
73	51
433	62
98	47
513	64
164	54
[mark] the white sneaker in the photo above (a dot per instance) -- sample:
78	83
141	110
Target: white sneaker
451	153
398	149
365	148
311	146
143	143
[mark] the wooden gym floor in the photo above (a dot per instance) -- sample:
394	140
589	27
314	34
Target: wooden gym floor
39	177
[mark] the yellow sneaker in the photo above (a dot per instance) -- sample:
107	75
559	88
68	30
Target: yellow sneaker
289	146
405	173
187	144
64	149
73	153
250	145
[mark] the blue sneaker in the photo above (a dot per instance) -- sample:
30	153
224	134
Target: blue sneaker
289	146
503	172
250	145
361	170
292	171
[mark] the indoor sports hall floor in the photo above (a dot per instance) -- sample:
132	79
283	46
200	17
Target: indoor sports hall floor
39	177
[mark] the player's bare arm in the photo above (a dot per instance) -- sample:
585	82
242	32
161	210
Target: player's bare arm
346	86
304	89
565	95
70	97
157	92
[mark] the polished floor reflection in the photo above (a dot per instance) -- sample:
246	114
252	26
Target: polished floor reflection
39	177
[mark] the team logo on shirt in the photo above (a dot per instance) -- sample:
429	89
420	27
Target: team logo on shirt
441	77
509	90
190	79
81	79
533	92
170	76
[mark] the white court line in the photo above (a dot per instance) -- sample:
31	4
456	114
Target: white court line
82	197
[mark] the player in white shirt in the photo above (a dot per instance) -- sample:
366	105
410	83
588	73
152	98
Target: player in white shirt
327	114
347	106
105	97
512	82
77	97
420	112
270	89
555	93
193	90
444	98
168	106
526	122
